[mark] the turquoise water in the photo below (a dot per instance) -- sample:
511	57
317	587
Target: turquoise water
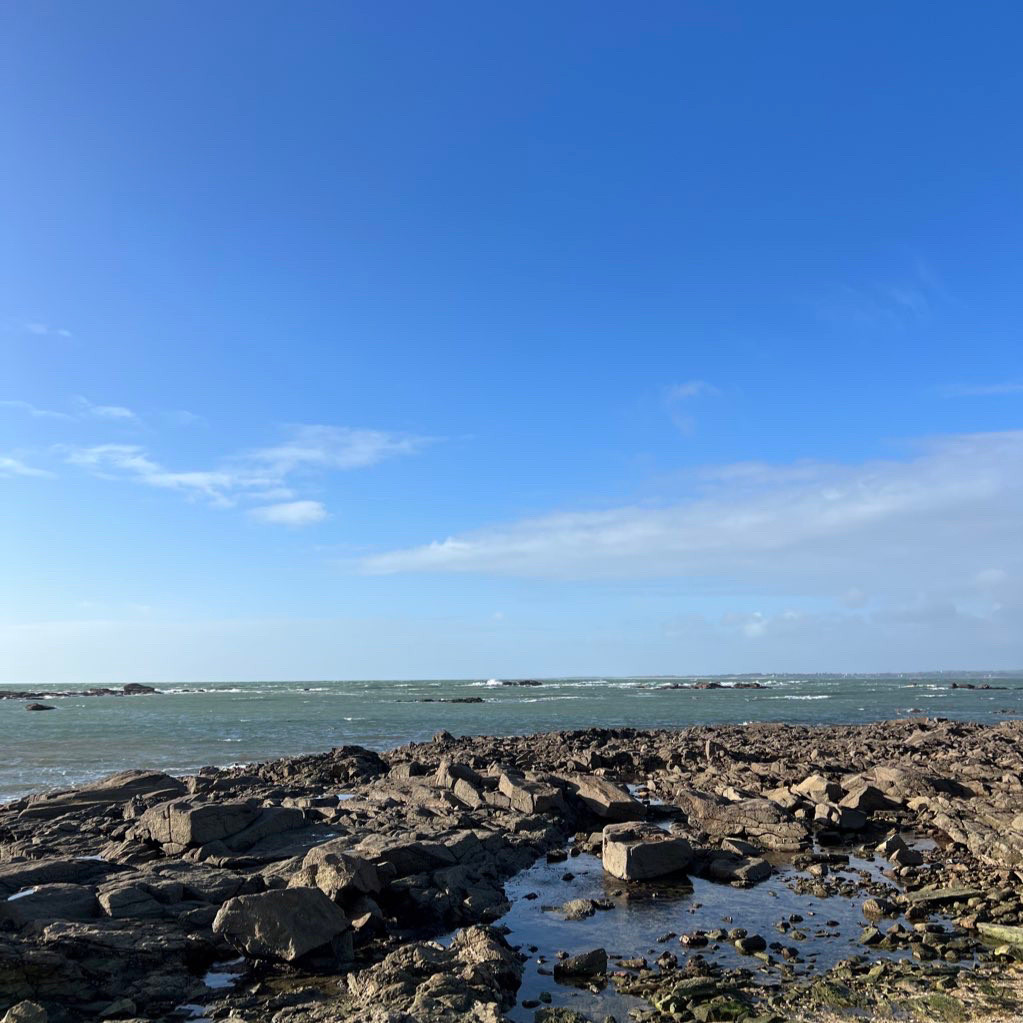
188	726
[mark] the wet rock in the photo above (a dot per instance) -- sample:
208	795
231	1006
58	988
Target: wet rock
39	706
583	966
640	852
751	944
283	924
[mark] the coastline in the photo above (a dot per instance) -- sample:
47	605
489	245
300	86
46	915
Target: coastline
333	905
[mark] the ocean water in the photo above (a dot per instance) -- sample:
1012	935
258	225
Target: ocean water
188	726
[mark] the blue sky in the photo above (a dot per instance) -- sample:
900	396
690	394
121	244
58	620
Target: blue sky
446	340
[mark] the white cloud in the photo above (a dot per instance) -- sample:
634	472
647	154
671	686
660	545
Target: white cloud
691	389
45	330
259	475
11	466
679	399
928	523
291	513
108	412
335	447
34	411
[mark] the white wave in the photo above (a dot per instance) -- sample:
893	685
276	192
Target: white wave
790	696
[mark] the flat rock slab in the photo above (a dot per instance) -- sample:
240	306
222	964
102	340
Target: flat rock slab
641	852
603	798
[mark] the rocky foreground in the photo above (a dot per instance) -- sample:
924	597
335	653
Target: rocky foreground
117	899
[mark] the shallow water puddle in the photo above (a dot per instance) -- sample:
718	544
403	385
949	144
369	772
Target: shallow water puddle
826	929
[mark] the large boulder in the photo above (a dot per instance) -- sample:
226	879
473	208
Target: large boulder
338	873
603	798
183	823
640	852
282	924
530	796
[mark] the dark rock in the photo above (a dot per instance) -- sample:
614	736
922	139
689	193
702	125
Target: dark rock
284	924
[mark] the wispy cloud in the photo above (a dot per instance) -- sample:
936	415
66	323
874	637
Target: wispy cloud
111	413
679	399
34	411
924	523
985	390
267	474
291	513
11	466
40	329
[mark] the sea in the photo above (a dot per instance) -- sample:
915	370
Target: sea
187	726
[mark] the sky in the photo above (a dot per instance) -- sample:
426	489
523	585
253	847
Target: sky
466	340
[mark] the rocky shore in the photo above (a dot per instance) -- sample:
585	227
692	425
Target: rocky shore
374	888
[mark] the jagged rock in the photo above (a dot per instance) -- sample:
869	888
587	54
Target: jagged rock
475	978
26	1012
639	852
283	924
758	819
819	789
337	872
585	965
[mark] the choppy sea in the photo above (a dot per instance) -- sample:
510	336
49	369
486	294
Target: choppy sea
187	726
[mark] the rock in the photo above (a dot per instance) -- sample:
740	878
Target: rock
877	907
530	796
751	944
732	869
640	852
867	799
819	789
26	1012
337	873
53	902
130	901
116	788
283	924
603	798
39	706
473	979
187	823
1002	933
842	817
760	820
579	909
19	875
588	964
137	689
